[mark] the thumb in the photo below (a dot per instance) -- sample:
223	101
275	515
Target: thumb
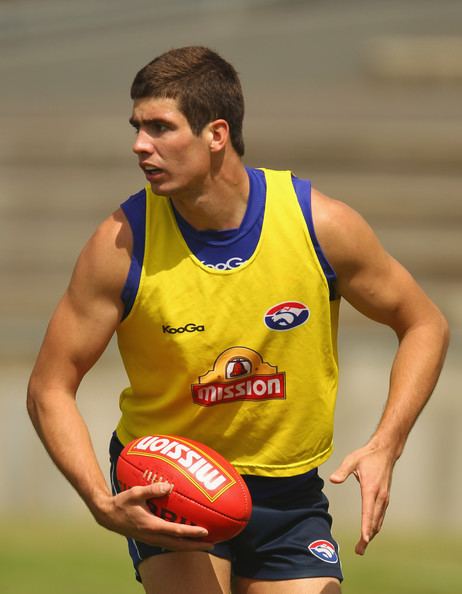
160	489
154	490
342	472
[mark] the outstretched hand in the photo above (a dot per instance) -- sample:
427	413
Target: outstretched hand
372	467
128	513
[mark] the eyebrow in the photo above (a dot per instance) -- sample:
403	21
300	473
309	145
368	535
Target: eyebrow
137	123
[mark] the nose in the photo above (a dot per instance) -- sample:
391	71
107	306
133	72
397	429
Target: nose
143	143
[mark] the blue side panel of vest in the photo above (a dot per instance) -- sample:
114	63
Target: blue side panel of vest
303	190
134	209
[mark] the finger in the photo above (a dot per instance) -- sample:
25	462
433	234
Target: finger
381	505
175	536
368	502
366	532
382	518
182	531
163	528
374	506
361	546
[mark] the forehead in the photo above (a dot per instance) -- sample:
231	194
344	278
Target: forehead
156	108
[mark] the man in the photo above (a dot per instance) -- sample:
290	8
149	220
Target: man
223	285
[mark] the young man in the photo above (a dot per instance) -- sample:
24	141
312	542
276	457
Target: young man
223	285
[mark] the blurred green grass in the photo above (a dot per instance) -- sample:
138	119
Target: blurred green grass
404	562
77	557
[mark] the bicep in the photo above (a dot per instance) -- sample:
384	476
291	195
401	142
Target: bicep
74	341
368	277
380	288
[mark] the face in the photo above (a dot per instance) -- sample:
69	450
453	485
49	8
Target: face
173	159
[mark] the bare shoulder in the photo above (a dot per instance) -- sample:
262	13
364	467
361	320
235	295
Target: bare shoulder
344	235
374	282
105	258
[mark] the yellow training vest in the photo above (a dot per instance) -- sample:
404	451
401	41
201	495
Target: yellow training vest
243	360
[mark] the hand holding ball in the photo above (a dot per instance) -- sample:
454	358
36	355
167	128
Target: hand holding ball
207	490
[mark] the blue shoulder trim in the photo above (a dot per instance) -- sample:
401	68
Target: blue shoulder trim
134	209
303	190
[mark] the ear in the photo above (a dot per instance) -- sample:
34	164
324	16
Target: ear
218	135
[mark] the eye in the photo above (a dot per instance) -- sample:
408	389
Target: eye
159	127
152	127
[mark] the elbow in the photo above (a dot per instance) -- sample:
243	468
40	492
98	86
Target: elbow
445	331
439	332
36	399
431	330
31	400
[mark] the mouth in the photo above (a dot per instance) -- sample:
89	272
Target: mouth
151	172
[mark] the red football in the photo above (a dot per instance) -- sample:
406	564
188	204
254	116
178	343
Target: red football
207	490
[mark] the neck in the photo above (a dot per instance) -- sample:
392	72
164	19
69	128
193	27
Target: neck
221	201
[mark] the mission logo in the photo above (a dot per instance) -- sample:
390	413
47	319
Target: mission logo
239	373
286	316
198	467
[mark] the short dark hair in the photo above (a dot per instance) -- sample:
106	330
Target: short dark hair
205	86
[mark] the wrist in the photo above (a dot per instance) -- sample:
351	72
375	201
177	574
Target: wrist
100	505
388	441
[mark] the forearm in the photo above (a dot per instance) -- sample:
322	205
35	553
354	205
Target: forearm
414	374
65	436
61	428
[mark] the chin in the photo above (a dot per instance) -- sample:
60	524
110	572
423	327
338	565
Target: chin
160	189
171	188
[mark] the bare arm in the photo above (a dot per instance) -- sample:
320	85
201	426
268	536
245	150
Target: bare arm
380	288
79	331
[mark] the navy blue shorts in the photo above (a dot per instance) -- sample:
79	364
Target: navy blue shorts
288	536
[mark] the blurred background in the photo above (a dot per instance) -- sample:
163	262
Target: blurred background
363	97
